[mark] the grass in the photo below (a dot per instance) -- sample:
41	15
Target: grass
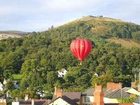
127	43
17	76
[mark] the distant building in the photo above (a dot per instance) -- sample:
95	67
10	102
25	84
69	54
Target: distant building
62	72
16	85
2	99
30	102
92	96
1	86
65	98
5	82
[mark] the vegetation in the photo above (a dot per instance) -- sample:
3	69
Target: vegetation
127	43
130	99
36	58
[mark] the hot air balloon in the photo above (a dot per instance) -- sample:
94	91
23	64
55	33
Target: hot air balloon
80	48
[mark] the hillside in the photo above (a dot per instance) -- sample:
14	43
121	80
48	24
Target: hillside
11	34
108	27
37	58
94	18
127	43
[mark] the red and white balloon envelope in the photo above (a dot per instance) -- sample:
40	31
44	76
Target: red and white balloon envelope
80	48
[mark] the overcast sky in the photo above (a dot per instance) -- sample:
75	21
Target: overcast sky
38	15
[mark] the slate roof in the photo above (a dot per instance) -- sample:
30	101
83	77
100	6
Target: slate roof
90	91
117	93
24	102
72	98
36	102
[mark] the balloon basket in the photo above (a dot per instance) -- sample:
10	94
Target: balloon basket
80	63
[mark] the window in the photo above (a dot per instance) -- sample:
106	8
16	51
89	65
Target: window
86	99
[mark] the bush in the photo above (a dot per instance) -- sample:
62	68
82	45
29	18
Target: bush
136	36
130	99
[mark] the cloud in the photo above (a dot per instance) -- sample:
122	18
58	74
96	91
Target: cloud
68	5
19	7
5	10
35	15
127	10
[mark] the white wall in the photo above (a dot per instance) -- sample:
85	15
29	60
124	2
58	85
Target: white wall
90	99
59	101
1	86
15	103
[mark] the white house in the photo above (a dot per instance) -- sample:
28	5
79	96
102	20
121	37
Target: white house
62	72
59	101
1	86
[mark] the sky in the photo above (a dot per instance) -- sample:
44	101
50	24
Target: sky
39	15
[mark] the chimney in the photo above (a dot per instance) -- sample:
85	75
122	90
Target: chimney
26	97
98	95
58	92
133	85
33	102
16	99
113	86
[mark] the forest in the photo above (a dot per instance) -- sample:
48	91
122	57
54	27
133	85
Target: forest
35	59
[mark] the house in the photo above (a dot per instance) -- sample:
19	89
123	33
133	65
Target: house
3	100
96	96
65	98
62	72
16	85
92	96
30	102
112	92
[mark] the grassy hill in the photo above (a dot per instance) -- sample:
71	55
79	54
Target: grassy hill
127	43
107	27
114	30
